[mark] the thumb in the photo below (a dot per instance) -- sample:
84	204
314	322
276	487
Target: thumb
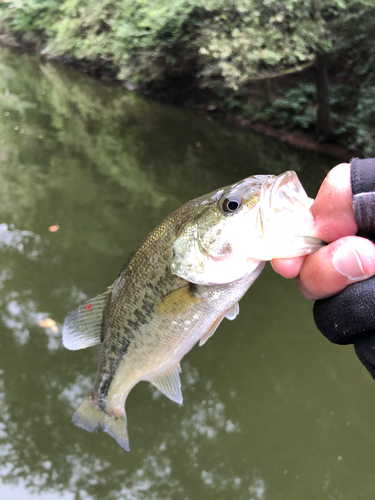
336	266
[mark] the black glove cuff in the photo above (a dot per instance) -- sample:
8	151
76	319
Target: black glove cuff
363	187
346	317
350	313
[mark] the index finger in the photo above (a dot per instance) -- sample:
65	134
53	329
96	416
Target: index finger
333	206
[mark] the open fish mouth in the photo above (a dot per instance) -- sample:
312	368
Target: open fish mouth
286	219
286	191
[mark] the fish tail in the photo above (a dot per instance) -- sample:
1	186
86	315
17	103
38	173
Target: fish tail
90	418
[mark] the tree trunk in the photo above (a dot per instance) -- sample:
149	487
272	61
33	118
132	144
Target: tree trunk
323	119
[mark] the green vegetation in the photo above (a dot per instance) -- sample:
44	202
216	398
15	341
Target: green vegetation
298	63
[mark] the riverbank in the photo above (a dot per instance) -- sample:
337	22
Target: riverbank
296	138
276	67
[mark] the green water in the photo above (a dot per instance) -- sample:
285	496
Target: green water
271	410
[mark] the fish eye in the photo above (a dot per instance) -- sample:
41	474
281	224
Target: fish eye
231	204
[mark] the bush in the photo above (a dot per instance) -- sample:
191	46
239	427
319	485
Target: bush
295	109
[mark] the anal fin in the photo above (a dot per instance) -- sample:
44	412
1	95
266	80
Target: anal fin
169	384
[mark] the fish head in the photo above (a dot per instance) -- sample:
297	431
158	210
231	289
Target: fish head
234	228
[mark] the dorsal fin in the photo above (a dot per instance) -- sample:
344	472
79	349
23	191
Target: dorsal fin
169	384
83	326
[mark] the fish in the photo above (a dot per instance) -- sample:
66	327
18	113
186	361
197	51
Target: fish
179	284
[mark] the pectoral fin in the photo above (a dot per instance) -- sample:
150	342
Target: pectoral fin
176	301
233	312
169	384
211	330
82	327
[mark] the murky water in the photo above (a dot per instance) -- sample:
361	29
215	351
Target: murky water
271	410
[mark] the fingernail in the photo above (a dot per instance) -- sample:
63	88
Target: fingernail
347	262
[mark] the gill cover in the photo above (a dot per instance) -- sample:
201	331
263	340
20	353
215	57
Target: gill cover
211	249
193	263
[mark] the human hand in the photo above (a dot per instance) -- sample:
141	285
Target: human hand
343	313
347	258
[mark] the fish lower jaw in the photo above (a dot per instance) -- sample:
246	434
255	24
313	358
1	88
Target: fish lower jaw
285	248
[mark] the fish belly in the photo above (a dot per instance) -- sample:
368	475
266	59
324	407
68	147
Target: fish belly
180	320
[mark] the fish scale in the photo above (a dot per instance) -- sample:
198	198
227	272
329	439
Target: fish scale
179	284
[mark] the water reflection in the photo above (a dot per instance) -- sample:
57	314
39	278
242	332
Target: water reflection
19	241
107	166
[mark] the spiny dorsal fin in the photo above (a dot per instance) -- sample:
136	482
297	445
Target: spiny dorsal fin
233	312
169	384
82	327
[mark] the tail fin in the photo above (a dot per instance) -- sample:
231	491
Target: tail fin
90	418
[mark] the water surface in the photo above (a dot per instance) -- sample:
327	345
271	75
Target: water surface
271	410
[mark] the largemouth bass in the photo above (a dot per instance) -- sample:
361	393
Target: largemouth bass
179	284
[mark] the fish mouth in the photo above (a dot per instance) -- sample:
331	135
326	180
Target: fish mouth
286	192
282	198
284	219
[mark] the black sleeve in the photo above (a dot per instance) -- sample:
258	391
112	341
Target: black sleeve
349	317
363	188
